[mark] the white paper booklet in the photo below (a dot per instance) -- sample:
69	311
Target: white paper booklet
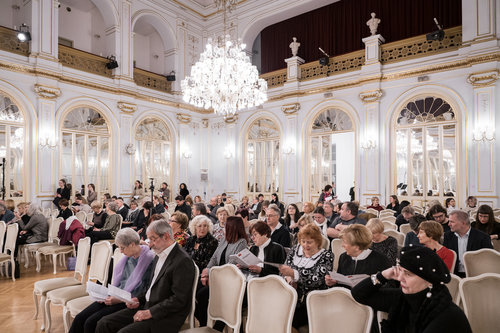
245	258
121	294
97	292
350	280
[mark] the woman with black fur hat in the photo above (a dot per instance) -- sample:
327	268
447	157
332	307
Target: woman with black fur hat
423	304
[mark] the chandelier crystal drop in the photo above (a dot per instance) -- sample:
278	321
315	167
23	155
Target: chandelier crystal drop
224	79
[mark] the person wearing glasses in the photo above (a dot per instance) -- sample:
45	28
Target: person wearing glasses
265	249
440	215
279	233
179	223
485	221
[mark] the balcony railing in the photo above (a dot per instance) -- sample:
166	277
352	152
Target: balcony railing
340	64
275	79
152	80
9	42
83	61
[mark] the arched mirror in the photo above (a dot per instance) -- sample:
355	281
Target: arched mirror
153	156
263	157
426	150
85	150
332	153
12	140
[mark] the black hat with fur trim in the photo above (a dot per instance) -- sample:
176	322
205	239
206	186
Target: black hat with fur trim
425	263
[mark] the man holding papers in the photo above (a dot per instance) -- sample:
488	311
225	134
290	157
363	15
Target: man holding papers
166	302
131	275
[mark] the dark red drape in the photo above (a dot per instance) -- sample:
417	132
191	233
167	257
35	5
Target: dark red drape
339	27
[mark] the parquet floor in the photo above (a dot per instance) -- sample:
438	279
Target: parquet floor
16	301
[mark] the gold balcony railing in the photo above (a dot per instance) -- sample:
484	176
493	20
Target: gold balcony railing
339	64
275	78
9	42
152	80
83	61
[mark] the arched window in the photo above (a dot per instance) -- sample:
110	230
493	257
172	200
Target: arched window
263	157
426	146
85	150
12	147
154	152
332	149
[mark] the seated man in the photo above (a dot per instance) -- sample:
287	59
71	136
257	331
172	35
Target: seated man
279	232
462	238
167	300
182	206
348	216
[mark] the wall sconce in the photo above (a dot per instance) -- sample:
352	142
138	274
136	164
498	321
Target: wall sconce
288	150
23	34
47	142
187	154
228	154
483	133
369	144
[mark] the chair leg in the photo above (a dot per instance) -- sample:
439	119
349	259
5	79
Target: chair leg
42	307
67	319
54	261
35	299
37	258
13	268
26	258
47	316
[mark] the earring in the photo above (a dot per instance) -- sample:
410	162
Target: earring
429	293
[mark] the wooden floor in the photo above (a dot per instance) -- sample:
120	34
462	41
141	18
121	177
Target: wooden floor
16	301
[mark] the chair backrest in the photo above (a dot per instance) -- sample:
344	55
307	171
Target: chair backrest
99	262
81	216
336	305
418	209
271	305
2	234
496	244
326	243
386	212
11	238
400	237
227	288
90	217
337	250
389	225
193	300
54	228
117	256
381	315
372	211
453	288
82	258
387	218
299	205
480	301
481	261
404	228
455	256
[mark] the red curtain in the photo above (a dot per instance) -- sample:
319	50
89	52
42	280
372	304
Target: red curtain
339	27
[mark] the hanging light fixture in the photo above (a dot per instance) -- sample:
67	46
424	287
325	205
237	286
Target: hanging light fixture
224	78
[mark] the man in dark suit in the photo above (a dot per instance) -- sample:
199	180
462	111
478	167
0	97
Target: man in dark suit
182	206
122	209
279	233
462	238
167	301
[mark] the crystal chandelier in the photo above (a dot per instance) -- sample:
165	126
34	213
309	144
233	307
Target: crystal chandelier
224	78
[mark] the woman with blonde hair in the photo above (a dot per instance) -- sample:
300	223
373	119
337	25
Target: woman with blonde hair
308	207
381	243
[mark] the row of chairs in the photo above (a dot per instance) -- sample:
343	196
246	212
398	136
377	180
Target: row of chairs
7	252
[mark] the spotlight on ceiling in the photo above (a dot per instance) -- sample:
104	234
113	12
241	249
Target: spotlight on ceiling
112	63
23	34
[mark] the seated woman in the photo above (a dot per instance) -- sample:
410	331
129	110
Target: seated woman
265	250
381	243
138	191
110	228
450	204
305	268
292	216
429	235
64	210
394	205
99	216
485	221
37	229
219	227
376	204
179	223
262	214
143	216
308	207
423	304
411	238
358	258
275	200
132	273
132	213
201	245
235	239
244	203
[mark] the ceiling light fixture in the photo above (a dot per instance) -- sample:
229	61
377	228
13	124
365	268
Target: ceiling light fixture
224	78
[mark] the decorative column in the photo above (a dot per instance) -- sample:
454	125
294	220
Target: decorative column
370	146
44	30
480	21
128	150
185	150
482	133
231	187
290	154
124	49
372	51
47	142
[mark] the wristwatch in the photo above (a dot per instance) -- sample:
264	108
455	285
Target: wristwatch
375	280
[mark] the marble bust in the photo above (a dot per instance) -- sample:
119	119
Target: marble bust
373	24
294	46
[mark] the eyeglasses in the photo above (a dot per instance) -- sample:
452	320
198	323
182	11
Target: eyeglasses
438	216
271	215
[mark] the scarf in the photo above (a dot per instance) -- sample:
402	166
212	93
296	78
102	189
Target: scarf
69	220
135	278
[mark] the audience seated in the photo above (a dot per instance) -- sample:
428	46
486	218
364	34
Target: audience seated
181	206
36	230
304	220
439	214
220	226
394	204
138	191
99	216
132	213
110	227
80	204
330	213
132	273
64	210
470	203
21	214
179	223
348	215
143	216
265	249
63	192
405	215
376	204
320	220
381	243
308	207
462	238
202	244
411	238
305	268
292	216
275	200
279	233
485	221
122	208
429	235
92	194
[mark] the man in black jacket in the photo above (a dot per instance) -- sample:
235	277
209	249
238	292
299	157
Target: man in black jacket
167	301
462	238
279	233
182	206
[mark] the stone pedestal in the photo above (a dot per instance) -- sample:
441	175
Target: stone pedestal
293	68
372	49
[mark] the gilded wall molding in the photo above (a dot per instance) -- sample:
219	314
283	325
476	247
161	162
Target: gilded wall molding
126	107
290	109
370	96
183	118
47	92
483	79
204	122
231	119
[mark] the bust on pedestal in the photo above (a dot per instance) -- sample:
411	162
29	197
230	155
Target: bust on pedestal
293	63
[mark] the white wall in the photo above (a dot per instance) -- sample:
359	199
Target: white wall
345	163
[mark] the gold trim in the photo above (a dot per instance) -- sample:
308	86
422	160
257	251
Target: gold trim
370	96
484	78
183	118
204	122
128	108
231	119
486	196
290	109
47	92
